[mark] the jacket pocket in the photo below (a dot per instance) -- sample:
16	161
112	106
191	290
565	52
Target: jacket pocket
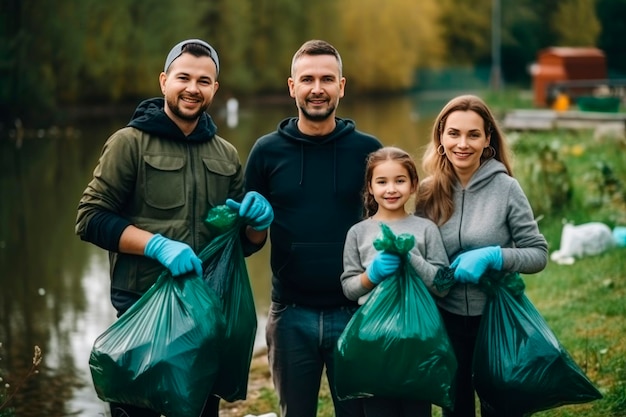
219	177
164	181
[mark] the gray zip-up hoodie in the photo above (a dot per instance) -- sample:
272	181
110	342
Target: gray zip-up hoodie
491	210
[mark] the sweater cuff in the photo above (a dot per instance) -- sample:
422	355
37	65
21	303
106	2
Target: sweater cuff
248	247
105	229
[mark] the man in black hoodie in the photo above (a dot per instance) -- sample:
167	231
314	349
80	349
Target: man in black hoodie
155	182
311	170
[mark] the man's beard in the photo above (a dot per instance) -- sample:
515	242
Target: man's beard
173	106
318	117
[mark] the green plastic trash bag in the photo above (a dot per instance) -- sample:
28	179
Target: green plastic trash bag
226	273
395	345
519	365
163	352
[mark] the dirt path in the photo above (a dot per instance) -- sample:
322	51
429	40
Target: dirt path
259	381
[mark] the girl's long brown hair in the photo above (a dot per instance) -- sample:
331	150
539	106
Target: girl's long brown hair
388	153
434	197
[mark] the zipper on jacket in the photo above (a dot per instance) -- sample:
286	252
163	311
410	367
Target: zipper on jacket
461	245
194	197
461	217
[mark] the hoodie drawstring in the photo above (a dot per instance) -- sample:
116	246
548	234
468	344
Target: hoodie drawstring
301	164
334	167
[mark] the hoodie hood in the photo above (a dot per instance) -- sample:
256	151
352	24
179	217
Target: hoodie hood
288	128
484	174
150	117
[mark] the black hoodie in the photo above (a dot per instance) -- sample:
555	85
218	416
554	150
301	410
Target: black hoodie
150	117
315	185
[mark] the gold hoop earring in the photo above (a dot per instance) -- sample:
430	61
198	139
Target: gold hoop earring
441	150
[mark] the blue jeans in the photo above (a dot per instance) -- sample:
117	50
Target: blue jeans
301	341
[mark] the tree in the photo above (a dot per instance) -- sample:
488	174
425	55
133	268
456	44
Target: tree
230	31
612	16
383	43
278	27
126	42
466	30
525	31
69	52
575	23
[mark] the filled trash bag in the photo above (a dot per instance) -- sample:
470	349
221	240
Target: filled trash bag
225	272
519	366
396	345
163	352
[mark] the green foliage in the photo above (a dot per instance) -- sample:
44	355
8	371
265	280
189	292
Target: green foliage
378	59
55	54
576	23
524	33
467	33
219	18
551	191
8	391
507	98
467	30
5	411
527	26
89	51
611	14
572	175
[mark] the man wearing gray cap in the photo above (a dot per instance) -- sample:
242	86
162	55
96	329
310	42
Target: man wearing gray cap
155	182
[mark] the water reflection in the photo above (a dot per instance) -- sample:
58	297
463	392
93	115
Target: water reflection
44	291
54	288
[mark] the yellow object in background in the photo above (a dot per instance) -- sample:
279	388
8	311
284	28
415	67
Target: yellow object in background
561	103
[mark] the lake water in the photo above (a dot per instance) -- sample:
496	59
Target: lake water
54	288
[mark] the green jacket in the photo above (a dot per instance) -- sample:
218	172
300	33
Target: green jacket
161	182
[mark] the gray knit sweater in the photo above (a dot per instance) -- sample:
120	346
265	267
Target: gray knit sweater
491	210
427	256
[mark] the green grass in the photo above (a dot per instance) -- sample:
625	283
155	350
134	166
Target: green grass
584	304
506	98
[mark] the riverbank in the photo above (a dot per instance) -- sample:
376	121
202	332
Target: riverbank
260	386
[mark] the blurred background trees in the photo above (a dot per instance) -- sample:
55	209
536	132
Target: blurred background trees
82	52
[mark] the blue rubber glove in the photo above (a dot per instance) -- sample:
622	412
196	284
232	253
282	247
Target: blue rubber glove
254	209
383	266
176	256
471	265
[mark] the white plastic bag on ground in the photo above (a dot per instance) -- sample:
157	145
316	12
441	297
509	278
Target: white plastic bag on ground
261	415
586	239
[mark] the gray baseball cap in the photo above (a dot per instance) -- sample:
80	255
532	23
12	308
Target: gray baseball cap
178	50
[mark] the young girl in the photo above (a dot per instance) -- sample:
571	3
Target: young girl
390	180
